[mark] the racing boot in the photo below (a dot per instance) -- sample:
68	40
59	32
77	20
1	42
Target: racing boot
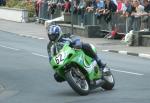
105	70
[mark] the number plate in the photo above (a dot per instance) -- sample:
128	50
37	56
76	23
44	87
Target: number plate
60	58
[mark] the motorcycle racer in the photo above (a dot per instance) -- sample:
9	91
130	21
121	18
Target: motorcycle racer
55	35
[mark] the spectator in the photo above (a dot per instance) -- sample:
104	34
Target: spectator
145	16
121	6
139	9
75	5
37	6
81	9
128	12
2	2
99	7
89	5
60	4
81	5
146	6
60	1
52	6
115	1
67	6
110	7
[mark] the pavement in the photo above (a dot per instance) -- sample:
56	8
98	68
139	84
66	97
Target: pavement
38	31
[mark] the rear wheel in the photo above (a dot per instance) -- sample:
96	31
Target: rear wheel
109	80
77	81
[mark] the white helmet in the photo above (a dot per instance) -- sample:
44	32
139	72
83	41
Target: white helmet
54	32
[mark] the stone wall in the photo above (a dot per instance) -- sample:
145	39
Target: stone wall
18	15
67	28
145	40
141	38
91	31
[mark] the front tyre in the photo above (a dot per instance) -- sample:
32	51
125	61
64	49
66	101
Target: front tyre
109	80
77	81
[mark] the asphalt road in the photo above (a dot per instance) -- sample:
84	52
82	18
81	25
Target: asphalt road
26	76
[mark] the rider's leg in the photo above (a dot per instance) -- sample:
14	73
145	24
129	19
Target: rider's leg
88	50
99	62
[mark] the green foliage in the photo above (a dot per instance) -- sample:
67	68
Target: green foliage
22	4
11	3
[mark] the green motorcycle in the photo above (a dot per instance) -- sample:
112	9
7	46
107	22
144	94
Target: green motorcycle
80	71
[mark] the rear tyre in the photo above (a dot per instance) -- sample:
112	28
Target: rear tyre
109	81
77	81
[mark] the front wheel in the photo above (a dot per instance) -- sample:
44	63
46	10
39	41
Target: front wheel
109	80
77	81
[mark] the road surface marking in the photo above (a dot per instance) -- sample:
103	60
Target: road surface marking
105	50
144	55
127	72
44	56
30	36
123	52
8	47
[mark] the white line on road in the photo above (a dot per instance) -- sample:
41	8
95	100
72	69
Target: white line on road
123	52
105	50
8	47
144	55
127	72
44	56
35	37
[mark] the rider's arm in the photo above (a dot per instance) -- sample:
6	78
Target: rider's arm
49	50
76	42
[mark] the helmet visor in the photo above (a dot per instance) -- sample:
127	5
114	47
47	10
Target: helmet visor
53	37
